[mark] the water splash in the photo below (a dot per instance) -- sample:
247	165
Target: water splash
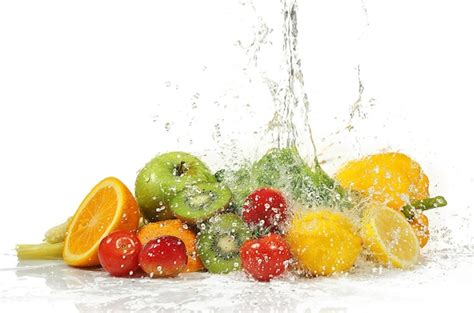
290	99
269	87
290	124
359	109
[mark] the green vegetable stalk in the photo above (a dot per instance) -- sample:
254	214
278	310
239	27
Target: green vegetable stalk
52	247
42	251
423	205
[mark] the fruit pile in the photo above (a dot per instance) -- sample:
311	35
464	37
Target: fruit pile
273	216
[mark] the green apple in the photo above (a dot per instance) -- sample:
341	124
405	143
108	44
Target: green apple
163	177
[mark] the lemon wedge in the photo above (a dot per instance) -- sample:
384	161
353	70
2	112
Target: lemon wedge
389	237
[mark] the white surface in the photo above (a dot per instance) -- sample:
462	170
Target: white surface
442	283
86	89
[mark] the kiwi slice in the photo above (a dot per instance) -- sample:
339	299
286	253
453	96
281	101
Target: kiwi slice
197	203
219	242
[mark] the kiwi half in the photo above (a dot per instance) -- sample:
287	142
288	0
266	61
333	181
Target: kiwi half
218	243
199	202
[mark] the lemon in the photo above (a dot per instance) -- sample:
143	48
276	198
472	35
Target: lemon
389	237
323	242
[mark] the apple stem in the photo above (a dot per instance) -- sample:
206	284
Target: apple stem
181	169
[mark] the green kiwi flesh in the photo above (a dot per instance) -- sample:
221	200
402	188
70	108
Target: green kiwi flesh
197	203
219	242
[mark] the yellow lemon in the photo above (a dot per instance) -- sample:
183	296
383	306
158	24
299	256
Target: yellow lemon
323	242
389	237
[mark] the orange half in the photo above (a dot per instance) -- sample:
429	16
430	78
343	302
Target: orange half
110	206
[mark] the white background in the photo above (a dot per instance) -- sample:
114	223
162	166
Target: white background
86	89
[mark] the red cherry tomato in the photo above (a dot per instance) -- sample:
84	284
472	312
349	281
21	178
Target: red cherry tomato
165	256
118	253
266	257
265	208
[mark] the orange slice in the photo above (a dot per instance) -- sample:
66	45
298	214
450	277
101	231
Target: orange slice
178	229
110	206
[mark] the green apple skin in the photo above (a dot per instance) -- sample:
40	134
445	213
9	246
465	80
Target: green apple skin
163	177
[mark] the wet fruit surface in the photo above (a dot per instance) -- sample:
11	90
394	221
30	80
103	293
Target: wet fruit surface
392	178
110	206
265	258
285	169
164	256
420	225
265	208
199	202
178	229
163	177
323	242
118	253
389	237
219	243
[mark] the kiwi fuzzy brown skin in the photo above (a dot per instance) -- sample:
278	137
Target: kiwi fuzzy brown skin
163	177
197	203
226	231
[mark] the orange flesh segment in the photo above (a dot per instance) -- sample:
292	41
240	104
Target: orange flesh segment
96	216
110	206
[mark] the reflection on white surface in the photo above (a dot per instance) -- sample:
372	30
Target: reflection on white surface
444	279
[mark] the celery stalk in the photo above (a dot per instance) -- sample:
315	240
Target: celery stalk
42	251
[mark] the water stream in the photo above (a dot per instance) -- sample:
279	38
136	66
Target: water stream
290	99
259	100
291	124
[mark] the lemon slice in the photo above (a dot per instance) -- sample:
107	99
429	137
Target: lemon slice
389	237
